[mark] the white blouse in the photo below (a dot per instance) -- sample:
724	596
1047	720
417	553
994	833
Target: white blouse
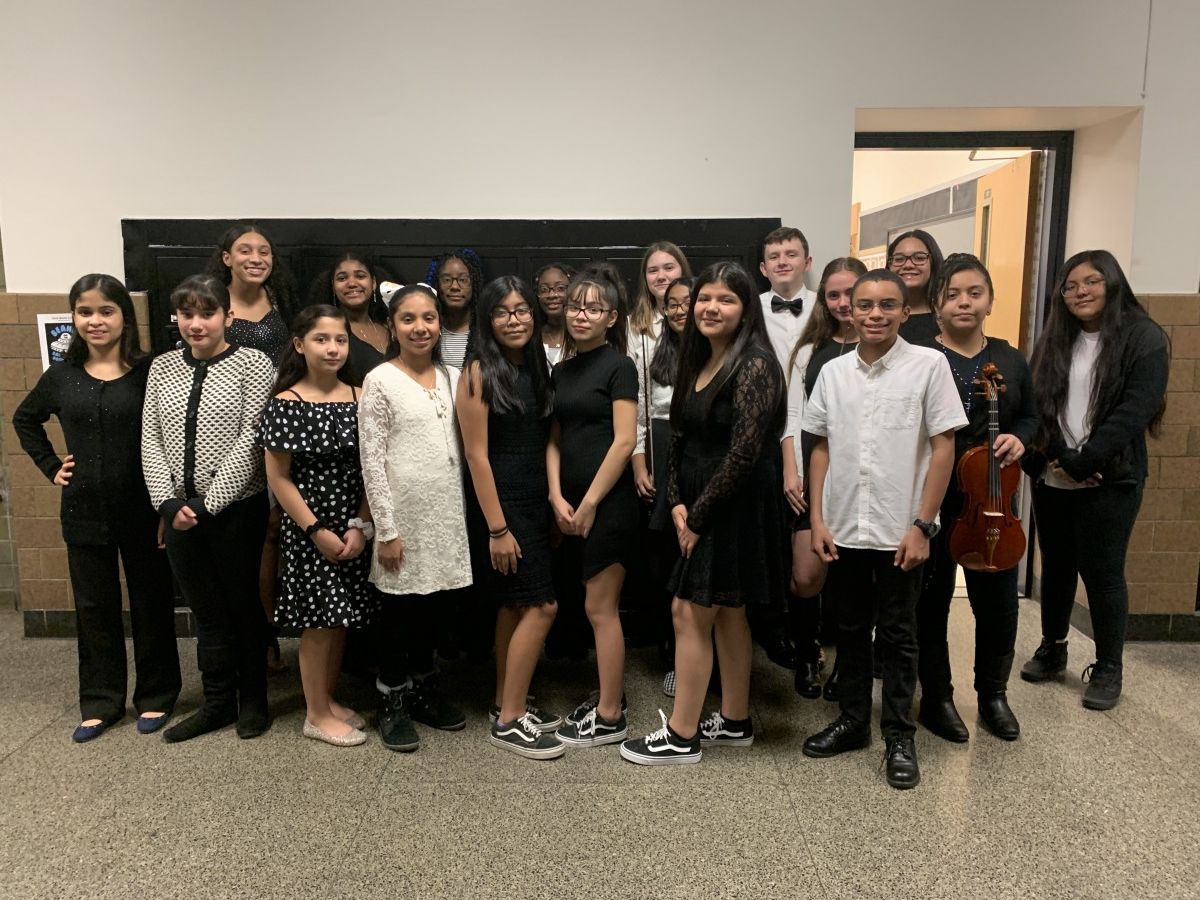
654	400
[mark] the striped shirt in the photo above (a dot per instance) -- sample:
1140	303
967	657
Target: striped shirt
454	347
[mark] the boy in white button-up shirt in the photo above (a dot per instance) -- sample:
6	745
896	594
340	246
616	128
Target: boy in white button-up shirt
887	416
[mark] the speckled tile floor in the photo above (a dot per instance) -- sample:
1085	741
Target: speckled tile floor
1086	804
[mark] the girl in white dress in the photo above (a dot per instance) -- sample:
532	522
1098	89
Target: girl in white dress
412	470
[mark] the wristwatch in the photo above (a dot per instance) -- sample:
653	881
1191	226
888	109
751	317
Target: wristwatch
367	528
929	529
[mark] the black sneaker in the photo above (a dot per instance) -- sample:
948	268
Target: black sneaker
396	730
546	721
594	730
525	738
427	706
1049	661
900	758
1103	680
717	729
578	713
662	748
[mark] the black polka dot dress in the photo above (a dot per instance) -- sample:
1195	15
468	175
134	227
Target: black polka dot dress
323	441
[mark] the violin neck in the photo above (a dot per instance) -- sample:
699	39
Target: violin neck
993	436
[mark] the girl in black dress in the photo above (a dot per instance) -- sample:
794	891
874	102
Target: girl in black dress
916	258
591	484
309	431
727	418
97	395
828	333
504	405
353	285
1100	379
963	297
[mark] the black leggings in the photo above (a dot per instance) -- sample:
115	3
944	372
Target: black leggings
993	597
1085	532
216	564
408	635
103	670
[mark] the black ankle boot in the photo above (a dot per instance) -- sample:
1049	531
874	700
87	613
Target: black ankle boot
808	680
830	691
207	718
1049	661
991	683
939	716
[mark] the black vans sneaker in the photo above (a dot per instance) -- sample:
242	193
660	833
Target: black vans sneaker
1103	680
396	730
717	729
427	706
525	738
546	721
662	748
594	730
578	713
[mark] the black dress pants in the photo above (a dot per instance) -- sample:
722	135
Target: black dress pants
408	634
216	564
1085	532
103	669
875	593
993	598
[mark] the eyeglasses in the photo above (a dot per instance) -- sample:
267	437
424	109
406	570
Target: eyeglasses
550	290
679	306
448	280
595	313
1071	288
521	314
886	306
917	259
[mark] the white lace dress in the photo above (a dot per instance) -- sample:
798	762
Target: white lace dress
412	470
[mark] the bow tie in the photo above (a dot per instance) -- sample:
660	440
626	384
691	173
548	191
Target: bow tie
778	304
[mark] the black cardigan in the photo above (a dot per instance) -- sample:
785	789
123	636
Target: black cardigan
102	424
1116	446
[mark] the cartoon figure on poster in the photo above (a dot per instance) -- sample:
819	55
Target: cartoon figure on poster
54	337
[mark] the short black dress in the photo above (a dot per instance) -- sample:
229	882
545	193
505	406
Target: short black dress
323	441
517	453
269	334
585	387
725	467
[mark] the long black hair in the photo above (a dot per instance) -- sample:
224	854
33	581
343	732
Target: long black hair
1051	363
116	293
394	304
664	366
497	375
292	365
935	259
602	281
750	338
280	285
321	290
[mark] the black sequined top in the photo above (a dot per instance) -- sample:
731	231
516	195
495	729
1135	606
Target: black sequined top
269	334
102	425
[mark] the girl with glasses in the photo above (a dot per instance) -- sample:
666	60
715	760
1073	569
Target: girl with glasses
916	258
591	484
458	278
1100	378
504	408
551	282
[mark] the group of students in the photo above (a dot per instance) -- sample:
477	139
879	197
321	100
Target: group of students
788	459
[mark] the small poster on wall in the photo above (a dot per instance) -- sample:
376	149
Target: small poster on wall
54	337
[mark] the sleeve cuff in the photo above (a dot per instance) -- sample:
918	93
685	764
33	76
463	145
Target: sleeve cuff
169	508
196	505
1076	465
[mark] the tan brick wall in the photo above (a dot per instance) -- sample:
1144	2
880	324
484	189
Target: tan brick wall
33	558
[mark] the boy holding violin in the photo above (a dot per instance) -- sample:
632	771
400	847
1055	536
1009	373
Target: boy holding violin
885	418
993	380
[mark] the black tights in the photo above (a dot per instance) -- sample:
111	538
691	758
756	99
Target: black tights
408	634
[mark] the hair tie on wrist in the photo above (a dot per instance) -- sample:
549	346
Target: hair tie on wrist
495	535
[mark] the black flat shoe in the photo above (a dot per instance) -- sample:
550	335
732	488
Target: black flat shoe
940	717
842	735
808	680
996	716
900	758
150	724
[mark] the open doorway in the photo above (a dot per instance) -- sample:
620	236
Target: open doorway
999	195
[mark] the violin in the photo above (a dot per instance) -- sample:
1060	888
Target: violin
987	536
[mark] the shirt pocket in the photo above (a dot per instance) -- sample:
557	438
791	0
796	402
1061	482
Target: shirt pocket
896	411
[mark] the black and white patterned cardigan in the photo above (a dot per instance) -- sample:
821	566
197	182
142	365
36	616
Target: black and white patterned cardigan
198	426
